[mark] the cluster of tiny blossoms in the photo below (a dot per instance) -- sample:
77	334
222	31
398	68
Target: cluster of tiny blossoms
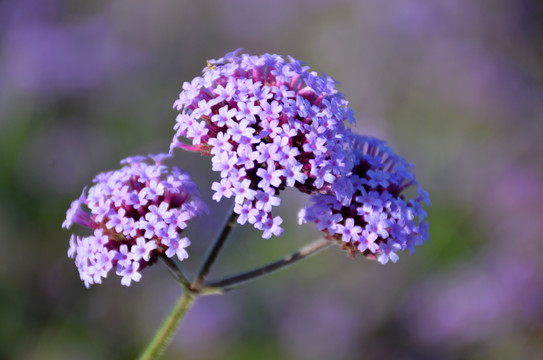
268	124
137	214
367	211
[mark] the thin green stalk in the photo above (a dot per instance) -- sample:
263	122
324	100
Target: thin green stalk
176	272
228	283
214	250
163	336
192	290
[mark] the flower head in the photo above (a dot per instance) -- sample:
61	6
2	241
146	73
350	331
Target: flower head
137	214
367	211
268	123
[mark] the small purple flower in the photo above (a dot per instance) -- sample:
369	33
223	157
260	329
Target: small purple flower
271	227
246	212
129	273
76	214
117	220
367	212
269	177
224	116
221	189
142	249
269	123
135	213
265	201
177	247
349	232
123	256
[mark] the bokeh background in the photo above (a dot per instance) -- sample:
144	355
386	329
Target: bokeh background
456	87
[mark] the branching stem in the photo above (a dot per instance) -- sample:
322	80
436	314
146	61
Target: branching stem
176	272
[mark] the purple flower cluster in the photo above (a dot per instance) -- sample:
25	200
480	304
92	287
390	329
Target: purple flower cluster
268	124
137	214
367	211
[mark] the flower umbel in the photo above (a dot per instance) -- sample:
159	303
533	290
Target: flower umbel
367	211
137	214
268	124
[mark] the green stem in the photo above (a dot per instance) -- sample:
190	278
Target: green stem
192	290
176	272
164	335
214	250
228	283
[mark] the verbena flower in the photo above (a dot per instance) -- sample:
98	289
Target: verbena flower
137	213
268	123
368	211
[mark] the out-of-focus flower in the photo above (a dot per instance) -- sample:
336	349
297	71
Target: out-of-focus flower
265	17
138	214
367	211
268	124
477	302
51	58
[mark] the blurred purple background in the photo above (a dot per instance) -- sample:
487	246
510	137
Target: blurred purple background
455	87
